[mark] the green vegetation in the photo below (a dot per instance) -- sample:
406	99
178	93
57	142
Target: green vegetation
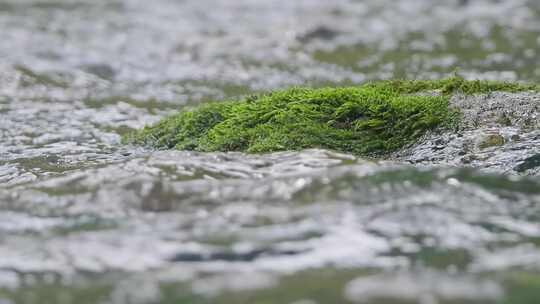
454	84
375	118
522	288
323	285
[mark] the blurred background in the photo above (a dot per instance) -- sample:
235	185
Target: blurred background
179	51
84	219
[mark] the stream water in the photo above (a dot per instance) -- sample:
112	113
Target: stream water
85	219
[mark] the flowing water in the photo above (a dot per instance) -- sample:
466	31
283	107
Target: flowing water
85	219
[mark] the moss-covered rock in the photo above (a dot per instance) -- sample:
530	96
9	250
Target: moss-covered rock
491	140
374	118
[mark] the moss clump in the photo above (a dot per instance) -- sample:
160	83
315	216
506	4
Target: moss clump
455	84
372	119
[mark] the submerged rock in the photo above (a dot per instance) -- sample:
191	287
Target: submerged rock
484	140
529	163
491	140
460	117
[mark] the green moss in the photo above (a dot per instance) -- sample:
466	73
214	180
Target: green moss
491	140
317	285
455	84
371	119
522	288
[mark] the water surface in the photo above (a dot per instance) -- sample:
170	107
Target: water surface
86	219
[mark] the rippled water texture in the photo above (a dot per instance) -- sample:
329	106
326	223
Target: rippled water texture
85	219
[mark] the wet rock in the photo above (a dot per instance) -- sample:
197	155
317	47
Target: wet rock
321	33
498	132
490	140
233	256
104	71
529	163
499	109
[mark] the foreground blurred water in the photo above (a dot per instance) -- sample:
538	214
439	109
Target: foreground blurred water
85	219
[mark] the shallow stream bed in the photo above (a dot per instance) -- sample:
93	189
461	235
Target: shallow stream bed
85	219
